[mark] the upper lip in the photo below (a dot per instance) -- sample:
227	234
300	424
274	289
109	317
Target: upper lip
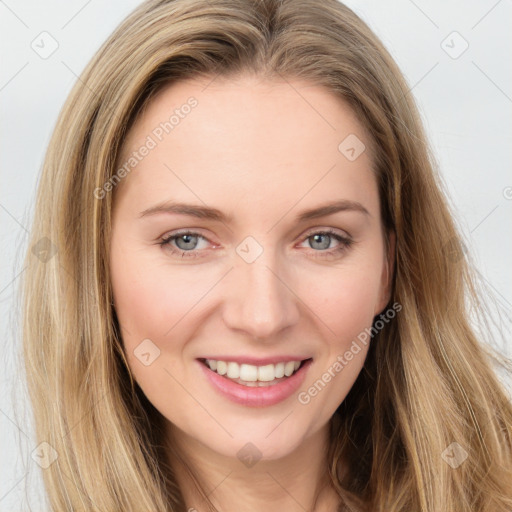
257	361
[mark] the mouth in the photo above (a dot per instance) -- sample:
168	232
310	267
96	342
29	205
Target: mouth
255	386
255	375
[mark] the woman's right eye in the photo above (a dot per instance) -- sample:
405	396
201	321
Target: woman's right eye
186	243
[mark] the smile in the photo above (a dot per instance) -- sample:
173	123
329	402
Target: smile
254	385
250	374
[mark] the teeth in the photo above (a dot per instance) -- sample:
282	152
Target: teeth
248	372
222	367
279	370
266	373
251	373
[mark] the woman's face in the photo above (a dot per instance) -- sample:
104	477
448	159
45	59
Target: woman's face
254	271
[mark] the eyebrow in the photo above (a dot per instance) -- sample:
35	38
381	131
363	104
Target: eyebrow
205	212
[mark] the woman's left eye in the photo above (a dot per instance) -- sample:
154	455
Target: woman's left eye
323	239
185	243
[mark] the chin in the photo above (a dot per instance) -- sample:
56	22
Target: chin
254	446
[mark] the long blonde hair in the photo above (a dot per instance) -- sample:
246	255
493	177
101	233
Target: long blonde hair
427	382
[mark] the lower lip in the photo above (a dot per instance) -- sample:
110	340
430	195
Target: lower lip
256	396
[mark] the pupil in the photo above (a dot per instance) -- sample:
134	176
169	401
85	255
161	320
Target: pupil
317	238
189	239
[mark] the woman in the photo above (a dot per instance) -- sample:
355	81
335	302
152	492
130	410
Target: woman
254	295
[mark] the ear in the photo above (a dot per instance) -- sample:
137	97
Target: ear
388	270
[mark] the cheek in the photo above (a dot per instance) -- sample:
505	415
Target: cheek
163	303
345	309
350	300
151	300
345	299
151	305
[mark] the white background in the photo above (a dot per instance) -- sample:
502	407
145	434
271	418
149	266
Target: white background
466	104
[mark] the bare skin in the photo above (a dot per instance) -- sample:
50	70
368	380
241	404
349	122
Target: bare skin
262	154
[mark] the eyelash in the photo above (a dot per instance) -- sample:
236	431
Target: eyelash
345	244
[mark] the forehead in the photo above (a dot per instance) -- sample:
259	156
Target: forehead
248	141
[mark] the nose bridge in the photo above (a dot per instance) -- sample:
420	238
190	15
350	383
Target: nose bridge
260	303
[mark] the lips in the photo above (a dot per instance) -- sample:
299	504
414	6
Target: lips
256	393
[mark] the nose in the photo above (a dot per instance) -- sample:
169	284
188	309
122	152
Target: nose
261	301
